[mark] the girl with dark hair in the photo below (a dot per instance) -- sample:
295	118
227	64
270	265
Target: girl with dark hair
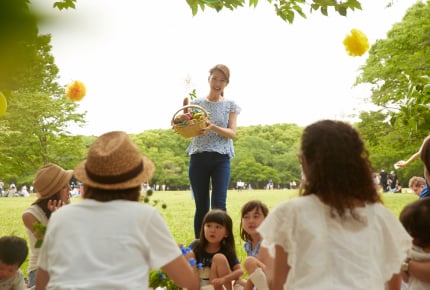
215	251
415	217
337	234
52	185
253	214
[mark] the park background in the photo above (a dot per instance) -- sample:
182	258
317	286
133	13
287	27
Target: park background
39	122
179	211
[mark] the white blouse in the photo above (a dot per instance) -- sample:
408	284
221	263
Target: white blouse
329	253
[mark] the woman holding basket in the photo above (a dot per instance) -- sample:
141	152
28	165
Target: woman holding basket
211	150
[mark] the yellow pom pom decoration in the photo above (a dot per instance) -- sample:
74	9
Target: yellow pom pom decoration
3	104
356	43
76	91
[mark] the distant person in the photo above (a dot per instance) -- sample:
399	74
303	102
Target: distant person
24	192
1	187
424	154
393	181
12	190
13	252
270	184
115	240
376	180
211	151
240	185
337	234
417	184
383	175
293	184
415	217
52	186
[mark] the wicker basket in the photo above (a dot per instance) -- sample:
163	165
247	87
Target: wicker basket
193	127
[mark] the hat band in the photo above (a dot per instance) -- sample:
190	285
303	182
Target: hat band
112	179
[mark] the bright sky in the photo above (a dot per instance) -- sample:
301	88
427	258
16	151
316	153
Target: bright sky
134	57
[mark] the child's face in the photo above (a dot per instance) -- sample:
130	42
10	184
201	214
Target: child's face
417	189
214	233
7	271
252	220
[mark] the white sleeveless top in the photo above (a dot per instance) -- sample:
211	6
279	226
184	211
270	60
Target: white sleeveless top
38	213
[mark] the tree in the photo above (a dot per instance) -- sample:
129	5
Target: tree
38	117
398	70
284	9
18	26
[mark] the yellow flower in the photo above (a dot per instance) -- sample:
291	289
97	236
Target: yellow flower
356	43
76	91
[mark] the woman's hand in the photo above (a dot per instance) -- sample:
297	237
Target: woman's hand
218	282
401	163
53	205
209	126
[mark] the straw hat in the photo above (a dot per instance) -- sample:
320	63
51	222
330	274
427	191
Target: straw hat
114	162
50	179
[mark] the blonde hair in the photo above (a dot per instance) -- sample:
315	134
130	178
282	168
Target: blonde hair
416	181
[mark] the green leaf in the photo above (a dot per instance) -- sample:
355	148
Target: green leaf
253	3
38	244
324	11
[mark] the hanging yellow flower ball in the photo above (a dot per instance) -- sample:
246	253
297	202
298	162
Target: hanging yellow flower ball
3	104
356	43
76	91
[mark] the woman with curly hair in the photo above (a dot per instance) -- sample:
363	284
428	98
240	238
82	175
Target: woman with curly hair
337	234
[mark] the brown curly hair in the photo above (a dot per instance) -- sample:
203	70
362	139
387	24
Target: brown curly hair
336	166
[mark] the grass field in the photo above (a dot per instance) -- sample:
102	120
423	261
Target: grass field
180	211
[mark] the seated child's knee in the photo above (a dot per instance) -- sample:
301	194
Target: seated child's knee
219	258
250	263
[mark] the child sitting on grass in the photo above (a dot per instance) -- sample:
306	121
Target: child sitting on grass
253	214
415	217
215	251
13	252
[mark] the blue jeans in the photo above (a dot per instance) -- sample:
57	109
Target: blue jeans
207	167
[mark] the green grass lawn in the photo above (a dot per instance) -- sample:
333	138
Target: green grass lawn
180	211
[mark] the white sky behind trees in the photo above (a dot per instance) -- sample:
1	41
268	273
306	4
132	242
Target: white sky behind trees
134	57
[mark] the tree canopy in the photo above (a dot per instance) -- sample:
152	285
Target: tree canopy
398	70
35	127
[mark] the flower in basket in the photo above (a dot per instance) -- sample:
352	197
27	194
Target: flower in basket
76	91
356	43
192	117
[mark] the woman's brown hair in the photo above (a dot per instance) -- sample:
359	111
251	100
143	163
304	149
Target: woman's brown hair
336	166
104	195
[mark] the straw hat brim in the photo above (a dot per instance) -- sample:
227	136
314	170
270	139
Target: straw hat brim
64	180
148	170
